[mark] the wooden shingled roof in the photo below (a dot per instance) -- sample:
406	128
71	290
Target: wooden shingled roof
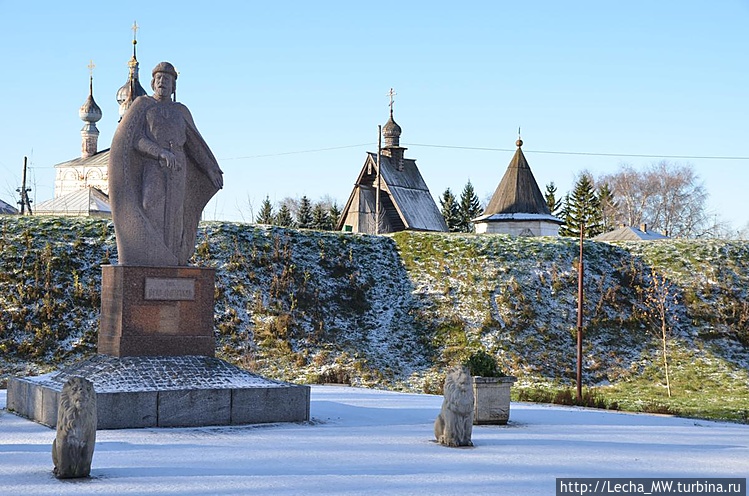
407	190
410	195
518	192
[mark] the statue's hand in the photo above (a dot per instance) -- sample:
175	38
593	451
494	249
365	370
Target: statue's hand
168	159
216	177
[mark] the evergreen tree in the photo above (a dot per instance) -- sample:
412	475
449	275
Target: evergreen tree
283	218
449	208
468	208
335	215
551	199
582	206
320	218
304	215
266	212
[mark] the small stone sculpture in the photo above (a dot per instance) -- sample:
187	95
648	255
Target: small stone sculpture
161	176
73	448
454	424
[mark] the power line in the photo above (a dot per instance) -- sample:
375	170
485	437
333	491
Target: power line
298	152
638	155
479	148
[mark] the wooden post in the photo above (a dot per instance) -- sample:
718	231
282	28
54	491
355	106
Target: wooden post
377	182
580	316
24	191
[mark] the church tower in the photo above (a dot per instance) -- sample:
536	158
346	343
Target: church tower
391	133
90	169
90	113
132	89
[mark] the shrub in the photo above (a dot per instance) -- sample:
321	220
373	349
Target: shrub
482	364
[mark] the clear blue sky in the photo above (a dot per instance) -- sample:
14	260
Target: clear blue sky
263	79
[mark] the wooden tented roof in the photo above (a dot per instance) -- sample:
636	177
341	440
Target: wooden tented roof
517	197
518	191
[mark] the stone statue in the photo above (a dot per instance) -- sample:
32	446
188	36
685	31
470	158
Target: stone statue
454	424
73	447
161	176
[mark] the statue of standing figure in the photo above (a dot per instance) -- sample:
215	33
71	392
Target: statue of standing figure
161	176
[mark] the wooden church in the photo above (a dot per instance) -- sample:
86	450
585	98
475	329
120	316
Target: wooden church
518	207
391	195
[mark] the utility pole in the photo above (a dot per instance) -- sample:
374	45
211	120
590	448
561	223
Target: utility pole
24	192
580	314
377	182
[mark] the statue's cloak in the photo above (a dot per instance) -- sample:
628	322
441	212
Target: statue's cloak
138	242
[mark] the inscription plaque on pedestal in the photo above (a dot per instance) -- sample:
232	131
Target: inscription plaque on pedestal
160	288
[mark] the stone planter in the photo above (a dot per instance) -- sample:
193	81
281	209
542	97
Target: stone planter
491	400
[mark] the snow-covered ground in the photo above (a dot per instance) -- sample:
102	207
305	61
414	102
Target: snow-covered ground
362	441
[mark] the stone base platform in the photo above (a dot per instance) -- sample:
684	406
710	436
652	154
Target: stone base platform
179	391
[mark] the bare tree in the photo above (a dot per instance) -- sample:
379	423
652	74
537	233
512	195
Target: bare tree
660	305
668	196
628	186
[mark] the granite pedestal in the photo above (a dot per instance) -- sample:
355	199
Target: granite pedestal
156	311
156	365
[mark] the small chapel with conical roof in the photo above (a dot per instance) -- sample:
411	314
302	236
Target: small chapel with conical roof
518	207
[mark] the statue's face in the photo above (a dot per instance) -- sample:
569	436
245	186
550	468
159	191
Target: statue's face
163	85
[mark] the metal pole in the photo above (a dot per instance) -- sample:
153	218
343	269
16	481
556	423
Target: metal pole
580	316
377	190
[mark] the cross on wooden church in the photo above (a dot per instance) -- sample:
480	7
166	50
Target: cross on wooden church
391	94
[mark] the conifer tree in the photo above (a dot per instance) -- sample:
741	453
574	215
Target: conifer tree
320	218
449	208
552	202
266	212
284	218
335	215
304	215
468	208
582	206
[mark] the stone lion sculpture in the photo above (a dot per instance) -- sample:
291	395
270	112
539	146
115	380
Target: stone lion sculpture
454	424
73	448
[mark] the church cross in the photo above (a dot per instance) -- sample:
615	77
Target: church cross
391	94
135	30
91	66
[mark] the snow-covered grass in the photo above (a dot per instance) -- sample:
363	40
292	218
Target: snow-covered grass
363	441
393	311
